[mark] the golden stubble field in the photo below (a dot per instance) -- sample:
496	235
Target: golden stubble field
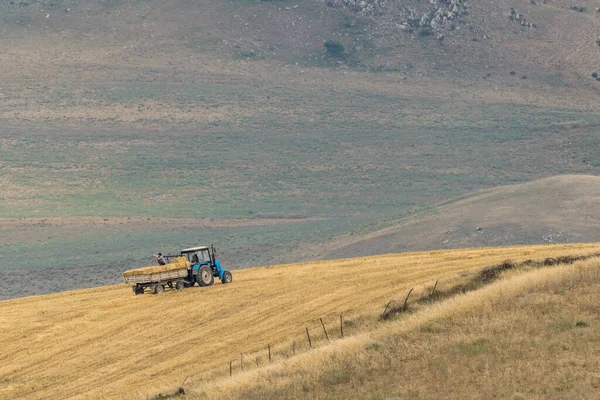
533	334
107	343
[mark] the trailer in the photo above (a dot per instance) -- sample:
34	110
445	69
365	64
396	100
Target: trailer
191	266
172	275
157	282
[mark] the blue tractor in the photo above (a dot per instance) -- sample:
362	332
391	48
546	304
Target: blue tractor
204	267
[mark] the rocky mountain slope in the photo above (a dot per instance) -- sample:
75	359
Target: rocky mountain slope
503	41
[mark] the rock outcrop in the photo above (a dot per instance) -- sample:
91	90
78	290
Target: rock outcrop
436	15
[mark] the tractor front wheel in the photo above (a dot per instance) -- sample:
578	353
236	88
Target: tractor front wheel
179	285
227	278
205	276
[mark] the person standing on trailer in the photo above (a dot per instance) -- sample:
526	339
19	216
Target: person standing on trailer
161	260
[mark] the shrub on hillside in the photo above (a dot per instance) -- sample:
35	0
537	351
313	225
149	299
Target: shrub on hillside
334	48
424	32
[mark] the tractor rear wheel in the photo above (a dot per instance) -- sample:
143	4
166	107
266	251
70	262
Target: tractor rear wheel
138	289
227	278
205	276
179	285
158	289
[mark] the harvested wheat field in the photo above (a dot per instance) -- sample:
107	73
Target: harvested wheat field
107	343
531	335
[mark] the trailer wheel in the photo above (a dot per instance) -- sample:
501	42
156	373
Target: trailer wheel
205	276
158	289
227	278
179	285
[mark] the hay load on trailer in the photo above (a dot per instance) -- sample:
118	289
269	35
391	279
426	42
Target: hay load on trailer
157	276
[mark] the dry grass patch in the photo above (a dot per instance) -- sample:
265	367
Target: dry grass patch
533	335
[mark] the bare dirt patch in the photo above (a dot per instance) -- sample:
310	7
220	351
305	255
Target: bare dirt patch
554	210
29	230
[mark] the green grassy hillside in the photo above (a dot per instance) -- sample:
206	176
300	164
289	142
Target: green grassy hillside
179	121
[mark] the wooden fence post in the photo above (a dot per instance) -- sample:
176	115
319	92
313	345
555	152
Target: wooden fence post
324	330
181	390
242	361
294	347
434	286
405	306
386	307
341	326
230	367
308	336
269	346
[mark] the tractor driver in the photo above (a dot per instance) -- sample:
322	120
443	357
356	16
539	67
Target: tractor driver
159	257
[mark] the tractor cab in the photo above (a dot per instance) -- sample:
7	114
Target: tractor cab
198	255
204	266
